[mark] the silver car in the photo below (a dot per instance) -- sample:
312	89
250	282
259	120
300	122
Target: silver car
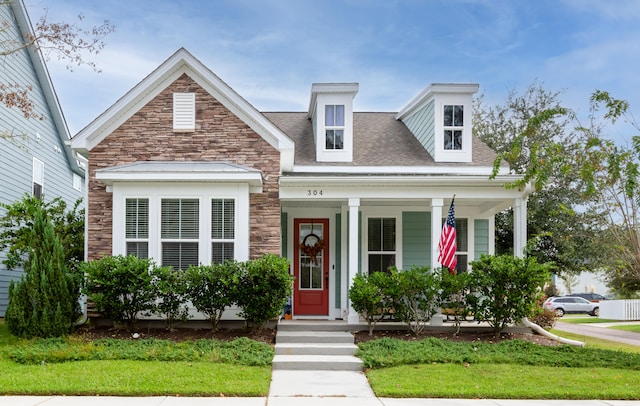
571	304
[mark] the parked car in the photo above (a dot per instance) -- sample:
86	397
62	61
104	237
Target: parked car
592	297
571	304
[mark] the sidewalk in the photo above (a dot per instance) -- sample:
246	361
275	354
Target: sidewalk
601	330
290	401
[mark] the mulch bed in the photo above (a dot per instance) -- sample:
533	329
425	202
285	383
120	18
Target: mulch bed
268	335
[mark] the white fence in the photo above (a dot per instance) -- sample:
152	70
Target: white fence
624	310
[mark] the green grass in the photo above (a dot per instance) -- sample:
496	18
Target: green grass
634	328
509	369
129	368
583	319
598	343
500	381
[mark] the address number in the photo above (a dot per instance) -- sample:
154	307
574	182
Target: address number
314	192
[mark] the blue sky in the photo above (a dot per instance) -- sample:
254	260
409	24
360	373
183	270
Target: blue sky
271	51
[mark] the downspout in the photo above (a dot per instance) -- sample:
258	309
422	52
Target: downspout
547	334
84	162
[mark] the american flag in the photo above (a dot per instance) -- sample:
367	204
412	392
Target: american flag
447	256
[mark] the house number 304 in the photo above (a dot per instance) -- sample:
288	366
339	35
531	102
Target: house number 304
314	192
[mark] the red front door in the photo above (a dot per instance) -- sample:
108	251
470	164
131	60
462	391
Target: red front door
311	267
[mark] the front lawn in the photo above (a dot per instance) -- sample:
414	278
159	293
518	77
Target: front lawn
509	369
634	328
133	367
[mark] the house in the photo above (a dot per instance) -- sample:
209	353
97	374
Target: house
184	170
34	156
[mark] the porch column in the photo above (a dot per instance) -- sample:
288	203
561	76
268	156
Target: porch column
354	266
519	226
436	229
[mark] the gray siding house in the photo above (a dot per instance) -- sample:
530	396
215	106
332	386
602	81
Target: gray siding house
34	157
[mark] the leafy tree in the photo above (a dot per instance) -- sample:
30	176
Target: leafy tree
45	301
606	174
61	40
18	220
505	288
530	132
213	288
121	287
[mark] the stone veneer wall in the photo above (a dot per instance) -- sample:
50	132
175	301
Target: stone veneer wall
220	136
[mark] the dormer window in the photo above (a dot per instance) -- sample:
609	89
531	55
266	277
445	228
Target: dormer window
453	126
334	126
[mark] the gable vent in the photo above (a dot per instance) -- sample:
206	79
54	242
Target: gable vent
184	111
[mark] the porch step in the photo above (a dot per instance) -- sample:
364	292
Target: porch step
317	363
312	346
315	349
308	337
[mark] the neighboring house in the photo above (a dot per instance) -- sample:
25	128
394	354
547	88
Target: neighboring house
34	158
184	170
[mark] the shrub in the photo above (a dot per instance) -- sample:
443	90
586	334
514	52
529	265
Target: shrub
121	287
373	296
505	288
18	220
265	285
452	294
415	300
212	288
545	318
170	289
45	301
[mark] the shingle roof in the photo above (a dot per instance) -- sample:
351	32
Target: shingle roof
379	140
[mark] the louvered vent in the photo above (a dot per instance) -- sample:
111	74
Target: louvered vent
184	111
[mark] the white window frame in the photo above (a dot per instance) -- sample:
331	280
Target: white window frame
453	128
382	252
37	177
138	238
453	155
225	238
205	192
180	239
77	182
333	126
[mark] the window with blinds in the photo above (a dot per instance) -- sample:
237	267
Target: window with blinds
222	230
381	244
137	227
179	232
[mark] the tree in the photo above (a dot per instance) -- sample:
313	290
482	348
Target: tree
18	220
45	301
526	131
606	174
61	40
611	179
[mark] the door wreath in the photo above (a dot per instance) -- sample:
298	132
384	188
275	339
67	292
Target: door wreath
312	245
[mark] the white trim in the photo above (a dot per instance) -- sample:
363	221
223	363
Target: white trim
182	62
431	91
155	192
402	170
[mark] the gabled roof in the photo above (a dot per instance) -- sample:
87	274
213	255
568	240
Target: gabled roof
49	93
182	62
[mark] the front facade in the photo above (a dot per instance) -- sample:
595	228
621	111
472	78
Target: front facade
184	170
35	158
